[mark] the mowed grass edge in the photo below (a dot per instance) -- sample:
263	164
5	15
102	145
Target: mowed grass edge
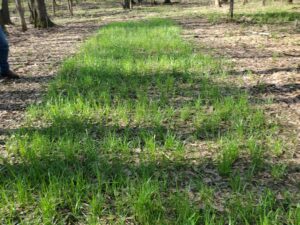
129	132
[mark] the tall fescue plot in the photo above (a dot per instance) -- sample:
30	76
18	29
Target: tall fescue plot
140	128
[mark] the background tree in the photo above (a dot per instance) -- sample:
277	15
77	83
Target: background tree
5	12
1	20
70	7
218	3
20	10
54	5
231	8
38	14
127	4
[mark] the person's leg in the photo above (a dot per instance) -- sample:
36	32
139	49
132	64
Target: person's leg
4	66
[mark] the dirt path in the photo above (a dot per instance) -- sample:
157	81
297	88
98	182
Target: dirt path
36	56
266	61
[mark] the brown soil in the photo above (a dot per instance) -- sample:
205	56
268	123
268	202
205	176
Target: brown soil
266	61
35	55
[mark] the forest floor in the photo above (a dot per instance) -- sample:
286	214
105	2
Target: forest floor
265	61
36	56
265	58
261	58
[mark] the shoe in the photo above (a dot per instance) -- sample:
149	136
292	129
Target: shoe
10	75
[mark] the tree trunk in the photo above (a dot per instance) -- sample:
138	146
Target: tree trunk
70	7
153	2
263	2
20	10
54	7
167	2
218	3
1	20
38	14
127	4
31	11
5	12
231	8
290	1
245	2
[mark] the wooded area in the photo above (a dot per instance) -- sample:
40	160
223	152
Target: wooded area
39	15
150	112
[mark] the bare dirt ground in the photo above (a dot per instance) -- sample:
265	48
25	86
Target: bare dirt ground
266	61
35	55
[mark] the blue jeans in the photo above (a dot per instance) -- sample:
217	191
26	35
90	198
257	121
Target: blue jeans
4	66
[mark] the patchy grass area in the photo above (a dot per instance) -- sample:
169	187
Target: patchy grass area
269	16
254	13
139	128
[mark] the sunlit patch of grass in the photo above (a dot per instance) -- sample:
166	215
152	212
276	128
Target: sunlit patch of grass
276	17
253	12
109	143
271	17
